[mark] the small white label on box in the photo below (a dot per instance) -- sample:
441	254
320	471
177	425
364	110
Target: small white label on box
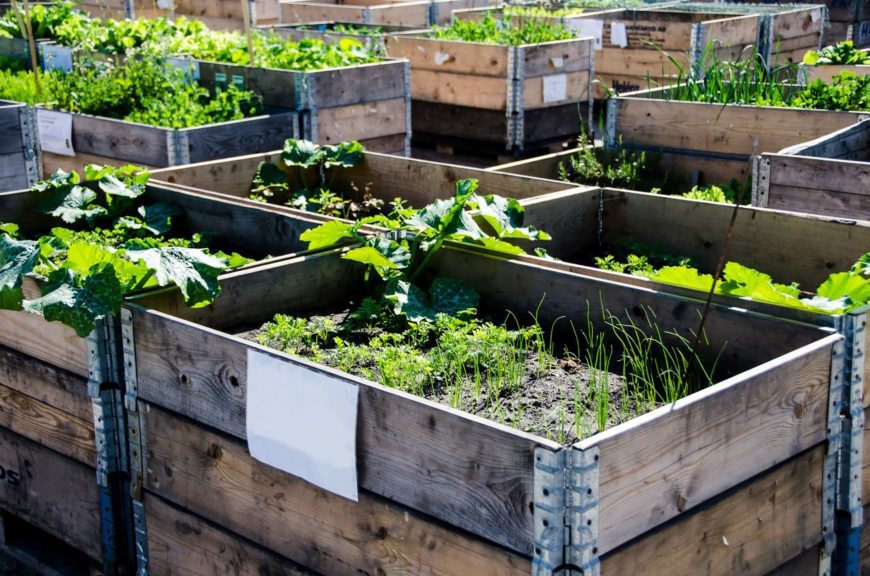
586	27
557	61
816	15
441	58
55	132
555	87
618	35
56	57
164	4
303	422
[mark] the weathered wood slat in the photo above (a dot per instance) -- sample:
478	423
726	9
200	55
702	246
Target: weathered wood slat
844	144
358	84
10	129
180	543
402	14
659	465
120	140
53	492
216	477
50	342
805	564
820	174
823	202
754	528
362	121
239	137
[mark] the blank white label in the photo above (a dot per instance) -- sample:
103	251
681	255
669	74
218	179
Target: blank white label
164	4
585	27
55	131
441	58
557	61
816	15
303	422
555	87
56	57
618	35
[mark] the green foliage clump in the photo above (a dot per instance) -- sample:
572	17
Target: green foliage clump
45	20
540	11
722	193
639	259
108	242
848	91
617	167
843	53
501	32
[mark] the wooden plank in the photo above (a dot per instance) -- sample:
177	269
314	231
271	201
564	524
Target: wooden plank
827	72
278	88
10	130
805	564
577	90
123	141
448	56
180	543
559	123
821	174
215	476
844	144
13	175
556	57
51	342
394	144
722	128
486	92
657	466
259	134
53	162
753	528
732	32
473	123
47	425
404	14
822	202
797	22
362	121
562	215
67	509
357	84
637	63
768	240
46	384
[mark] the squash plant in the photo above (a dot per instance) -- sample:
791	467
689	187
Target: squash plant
108	242
400	259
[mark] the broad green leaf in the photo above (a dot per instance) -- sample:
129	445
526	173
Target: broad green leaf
452	296
65	235
72	205
191	269
392	250
854	287
684	276
112	186
60	179
82	256
17	258
234	260
158	217
79	302
346	154
368	255
327	234
741	280
10	229
500	246
270	176
302	153
862	266
446	296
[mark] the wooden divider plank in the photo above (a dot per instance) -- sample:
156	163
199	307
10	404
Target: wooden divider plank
362	121
50	342
657	466
754	528
216	477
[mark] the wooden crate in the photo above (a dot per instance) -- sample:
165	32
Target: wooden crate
60	400
326	31
647	120
366	102
108	141
218	15
19	157
499	97
418	182
688	170
423	13
743	460
828	176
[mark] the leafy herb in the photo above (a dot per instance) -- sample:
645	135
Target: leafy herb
618	167
502	32
843	53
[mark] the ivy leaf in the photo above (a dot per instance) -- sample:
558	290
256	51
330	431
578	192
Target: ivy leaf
79	301
72	205
854	287
446	296
684	276
327	234
346	154
17	258
302	153
191	269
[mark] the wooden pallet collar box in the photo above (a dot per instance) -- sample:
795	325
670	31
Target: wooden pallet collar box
19	154
828	176
640	474
395	13
220	14
510	82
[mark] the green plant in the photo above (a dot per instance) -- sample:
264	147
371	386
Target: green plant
638	258
842	53
618	167
502	32
110	243
540	11
723	193
45	19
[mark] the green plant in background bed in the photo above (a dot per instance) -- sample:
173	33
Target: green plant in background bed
108	242
617	167
723	193
639	259
843	53
540	11
45	19
501	32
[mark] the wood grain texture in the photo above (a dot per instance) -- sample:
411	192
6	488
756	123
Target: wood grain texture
805	564
404	14
227	139
182	544
216	477
362	121
51	342
13	171
120	140
753	528
850	143
45	383
357	84
822	202
715	128
654	468
10	129
55	493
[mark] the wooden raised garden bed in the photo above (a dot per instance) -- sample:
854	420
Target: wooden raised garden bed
216	14
394	13
370	36
365	102
60	395
19	155
828	176
497	97
744	460
109	141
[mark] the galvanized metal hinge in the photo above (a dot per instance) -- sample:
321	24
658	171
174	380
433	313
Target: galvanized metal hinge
697	45
765	33
30	144
141	533
760	181
566	512
610	137
830	464
178	147
853	327
514	113
408	128
434	13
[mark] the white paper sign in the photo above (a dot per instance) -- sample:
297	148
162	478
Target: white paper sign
55	131
441	58
585	27
557	61
303	422
618	35
164	4
555	87
56	57
816	15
